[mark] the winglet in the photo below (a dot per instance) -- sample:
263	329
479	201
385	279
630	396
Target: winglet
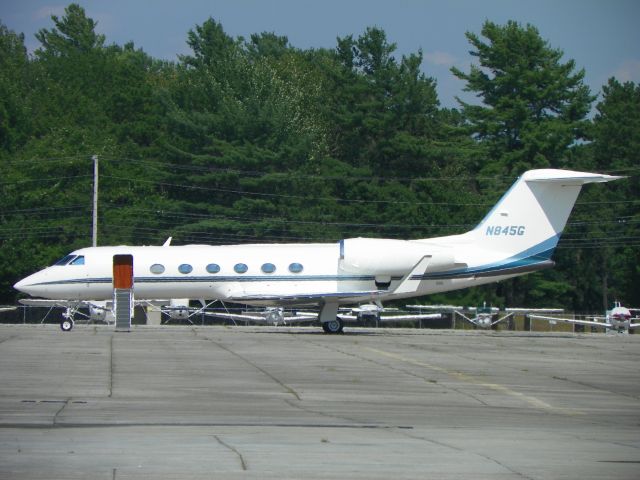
167	242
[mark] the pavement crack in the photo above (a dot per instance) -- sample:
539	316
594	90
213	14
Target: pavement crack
243	462
298	406
462	450
286	387
55	416
595	387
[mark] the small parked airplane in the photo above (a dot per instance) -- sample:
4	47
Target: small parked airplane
377	313
516	237
484	316
265	316
617	320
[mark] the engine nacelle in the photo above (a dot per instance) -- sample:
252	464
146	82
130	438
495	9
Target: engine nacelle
97	314
178	313
178	309
390	257
484	320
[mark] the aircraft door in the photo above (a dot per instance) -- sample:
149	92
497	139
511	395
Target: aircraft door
123	271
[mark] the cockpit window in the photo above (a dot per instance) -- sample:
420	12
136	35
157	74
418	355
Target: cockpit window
79	260
64	260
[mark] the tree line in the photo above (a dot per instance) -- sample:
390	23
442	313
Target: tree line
255	140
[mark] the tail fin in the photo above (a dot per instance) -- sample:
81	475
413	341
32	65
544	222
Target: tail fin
529	219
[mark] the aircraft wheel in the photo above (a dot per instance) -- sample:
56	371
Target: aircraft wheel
334	326
66	325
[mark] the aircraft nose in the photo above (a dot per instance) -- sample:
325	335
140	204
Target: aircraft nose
27	285
22	285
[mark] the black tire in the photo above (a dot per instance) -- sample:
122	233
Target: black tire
66	325
334	326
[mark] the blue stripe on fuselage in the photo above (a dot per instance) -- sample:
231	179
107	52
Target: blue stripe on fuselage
531	257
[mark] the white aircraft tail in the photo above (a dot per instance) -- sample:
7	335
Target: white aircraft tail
528	220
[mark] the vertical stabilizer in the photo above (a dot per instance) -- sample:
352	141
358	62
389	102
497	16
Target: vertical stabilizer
529	219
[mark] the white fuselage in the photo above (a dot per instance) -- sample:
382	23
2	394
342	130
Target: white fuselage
349	267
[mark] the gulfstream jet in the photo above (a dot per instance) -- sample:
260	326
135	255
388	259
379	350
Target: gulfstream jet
517	236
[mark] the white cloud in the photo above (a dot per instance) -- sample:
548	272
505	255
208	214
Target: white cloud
48	10
628	71
440	58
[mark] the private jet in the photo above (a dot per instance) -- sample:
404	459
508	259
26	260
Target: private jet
516	237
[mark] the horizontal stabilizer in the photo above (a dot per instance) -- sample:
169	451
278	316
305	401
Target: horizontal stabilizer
567	177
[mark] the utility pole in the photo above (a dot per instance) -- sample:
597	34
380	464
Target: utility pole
95	200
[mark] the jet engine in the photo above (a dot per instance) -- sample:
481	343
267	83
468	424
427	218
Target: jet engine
390	257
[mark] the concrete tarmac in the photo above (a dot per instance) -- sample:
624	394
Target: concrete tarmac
273	403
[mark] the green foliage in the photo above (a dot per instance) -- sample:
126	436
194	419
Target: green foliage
534	105
254	140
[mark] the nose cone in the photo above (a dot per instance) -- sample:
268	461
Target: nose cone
23	285
30	285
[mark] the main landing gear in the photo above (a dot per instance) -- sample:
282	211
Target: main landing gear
333	326
330	321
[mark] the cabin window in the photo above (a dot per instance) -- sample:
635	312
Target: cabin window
156	268
77	261
295	268
268	268
185	268
240	268
64	260
213	268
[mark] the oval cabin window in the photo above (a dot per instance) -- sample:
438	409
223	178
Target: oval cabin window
185	268
213	268
240	268
157	268
268	268
295	268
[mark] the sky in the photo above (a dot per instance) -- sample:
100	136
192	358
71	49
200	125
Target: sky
602	36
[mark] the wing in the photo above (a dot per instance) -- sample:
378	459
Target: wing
260	318
570	320
37	302
399	318
308	298
348	317
237	316
440	308
534	310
